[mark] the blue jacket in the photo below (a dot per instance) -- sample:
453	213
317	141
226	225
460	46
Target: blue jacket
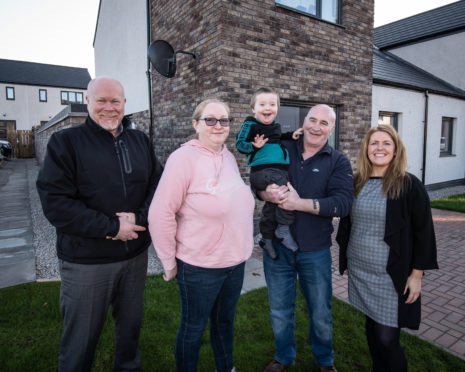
326	176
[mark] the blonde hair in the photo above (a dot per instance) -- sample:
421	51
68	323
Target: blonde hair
396	177
261	91
201	106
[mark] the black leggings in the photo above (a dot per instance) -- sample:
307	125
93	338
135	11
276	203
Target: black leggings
385	349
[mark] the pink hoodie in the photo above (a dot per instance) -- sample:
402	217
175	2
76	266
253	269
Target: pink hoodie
202	211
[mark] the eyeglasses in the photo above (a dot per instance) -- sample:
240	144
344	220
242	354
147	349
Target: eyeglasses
224	122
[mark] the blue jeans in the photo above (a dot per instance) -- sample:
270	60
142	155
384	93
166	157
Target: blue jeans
207	293
313	269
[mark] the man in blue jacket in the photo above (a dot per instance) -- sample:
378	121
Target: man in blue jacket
320	188
96	184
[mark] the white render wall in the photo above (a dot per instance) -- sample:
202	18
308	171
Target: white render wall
443	57
411	108
120	49
440	169
26	108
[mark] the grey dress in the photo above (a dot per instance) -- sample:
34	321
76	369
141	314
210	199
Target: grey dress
371	289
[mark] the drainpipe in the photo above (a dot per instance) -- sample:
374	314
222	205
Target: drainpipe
425	137
149	76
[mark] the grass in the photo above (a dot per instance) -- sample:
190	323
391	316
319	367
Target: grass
452	203
30	328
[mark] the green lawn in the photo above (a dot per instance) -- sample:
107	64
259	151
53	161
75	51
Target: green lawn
30	327
452	203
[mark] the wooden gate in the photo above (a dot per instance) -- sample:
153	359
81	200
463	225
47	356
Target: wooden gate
22	143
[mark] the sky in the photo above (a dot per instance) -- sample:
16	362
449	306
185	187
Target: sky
61	32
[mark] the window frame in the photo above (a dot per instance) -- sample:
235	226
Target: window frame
12	90
67	100
45	92
449	140
394	115
318	11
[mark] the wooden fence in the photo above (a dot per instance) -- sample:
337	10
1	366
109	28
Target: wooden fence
22	143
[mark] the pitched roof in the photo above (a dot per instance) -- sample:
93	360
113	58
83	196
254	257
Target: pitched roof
30	73
433	23
391	70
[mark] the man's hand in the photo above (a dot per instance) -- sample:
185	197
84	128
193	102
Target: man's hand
274	194
127	227
297	133
259	141
170	274
129	215
292	201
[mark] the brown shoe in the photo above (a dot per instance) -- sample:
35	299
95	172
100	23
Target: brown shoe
328	369
274	366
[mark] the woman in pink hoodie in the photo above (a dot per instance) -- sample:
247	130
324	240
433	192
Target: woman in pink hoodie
201	223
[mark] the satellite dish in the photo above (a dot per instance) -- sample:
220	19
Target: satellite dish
163	57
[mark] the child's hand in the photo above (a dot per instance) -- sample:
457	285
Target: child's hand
297	133
259	141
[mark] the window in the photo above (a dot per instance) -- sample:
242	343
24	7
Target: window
42	95
71	97
447	132
291	117
389	118
10	93
328	10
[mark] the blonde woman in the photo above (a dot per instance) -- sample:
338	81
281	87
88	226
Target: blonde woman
386	243
201	223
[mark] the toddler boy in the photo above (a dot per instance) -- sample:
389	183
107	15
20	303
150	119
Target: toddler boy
260	138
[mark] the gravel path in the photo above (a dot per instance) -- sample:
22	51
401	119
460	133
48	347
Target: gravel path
44	237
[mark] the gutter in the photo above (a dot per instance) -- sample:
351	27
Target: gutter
425	137
149	76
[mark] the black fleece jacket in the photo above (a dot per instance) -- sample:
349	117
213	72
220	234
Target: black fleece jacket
87	176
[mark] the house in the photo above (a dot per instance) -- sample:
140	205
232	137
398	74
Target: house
120	49
32	93
419	87
309	54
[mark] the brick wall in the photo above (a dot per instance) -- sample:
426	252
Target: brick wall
247	44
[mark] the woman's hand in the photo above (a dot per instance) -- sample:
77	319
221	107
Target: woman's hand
170	274
413	286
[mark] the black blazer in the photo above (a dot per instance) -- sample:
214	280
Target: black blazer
409	233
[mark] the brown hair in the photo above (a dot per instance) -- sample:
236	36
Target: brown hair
201	106
396	177
263	90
